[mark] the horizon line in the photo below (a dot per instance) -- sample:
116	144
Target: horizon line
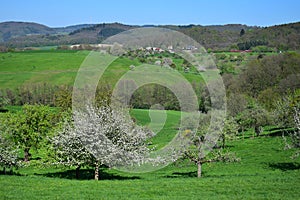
148	24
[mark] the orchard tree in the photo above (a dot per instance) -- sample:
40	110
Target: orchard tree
230	130
254	117
197	151
67	149
3	102
63	97
8	153
102	136
285	109
28	127
294	136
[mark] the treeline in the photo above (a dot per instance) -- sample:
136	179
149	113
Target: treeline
61	96
42	93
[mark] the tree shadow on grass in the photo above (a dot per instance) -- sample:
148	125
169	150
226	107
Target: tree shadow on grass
86	174
287	166
9	172
182	175
274	132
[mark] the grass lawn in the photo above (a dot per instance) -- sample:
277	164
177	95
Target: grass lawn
57	67
265	171
54	67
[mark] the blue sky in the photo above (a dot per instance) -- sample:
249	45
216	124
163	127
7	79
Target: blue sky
58	13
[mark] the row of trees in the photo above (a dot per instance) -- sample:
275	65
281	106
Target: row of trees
61	96
93	137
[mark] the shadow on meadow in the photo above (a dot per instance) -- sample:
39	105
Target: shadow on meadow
274	132
287	166
182	175
9	172
86	174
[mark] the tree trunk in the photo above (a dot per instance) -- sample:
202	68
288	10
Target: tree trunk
97	171
257	130
26	154
199	172
77	172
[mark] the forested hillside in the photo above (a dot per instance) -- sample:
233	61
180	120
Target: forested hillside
221	37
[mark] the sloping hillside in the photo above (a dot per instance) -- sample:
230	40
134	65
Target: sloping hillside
216	37
9	30
12	30
285	36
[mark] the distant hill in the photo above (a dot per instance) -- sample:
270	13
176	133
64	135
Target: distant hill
69	29
216	37
285	36
12	30
9	30
99	32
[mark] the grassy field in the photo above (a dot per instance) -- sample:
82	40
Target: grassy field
265	171
56	67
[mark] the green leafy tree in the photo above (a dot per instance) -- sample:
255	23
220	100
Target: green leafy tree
3	101
63	97
230	130
268	98
28	127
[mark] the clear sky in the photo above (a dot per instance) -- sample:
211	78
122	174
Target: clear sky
57	13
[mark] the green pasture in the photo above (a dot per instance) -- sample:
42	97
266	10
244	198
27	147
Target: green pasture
265	171
58	67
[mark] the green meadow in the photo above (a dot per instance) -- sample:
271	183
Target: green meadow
54	67
57	67
265	171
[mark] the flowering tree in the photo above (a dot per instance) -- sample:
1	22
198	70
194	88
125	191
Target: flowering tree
68	149
8	152
203	149
294	135
229	131
102	136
